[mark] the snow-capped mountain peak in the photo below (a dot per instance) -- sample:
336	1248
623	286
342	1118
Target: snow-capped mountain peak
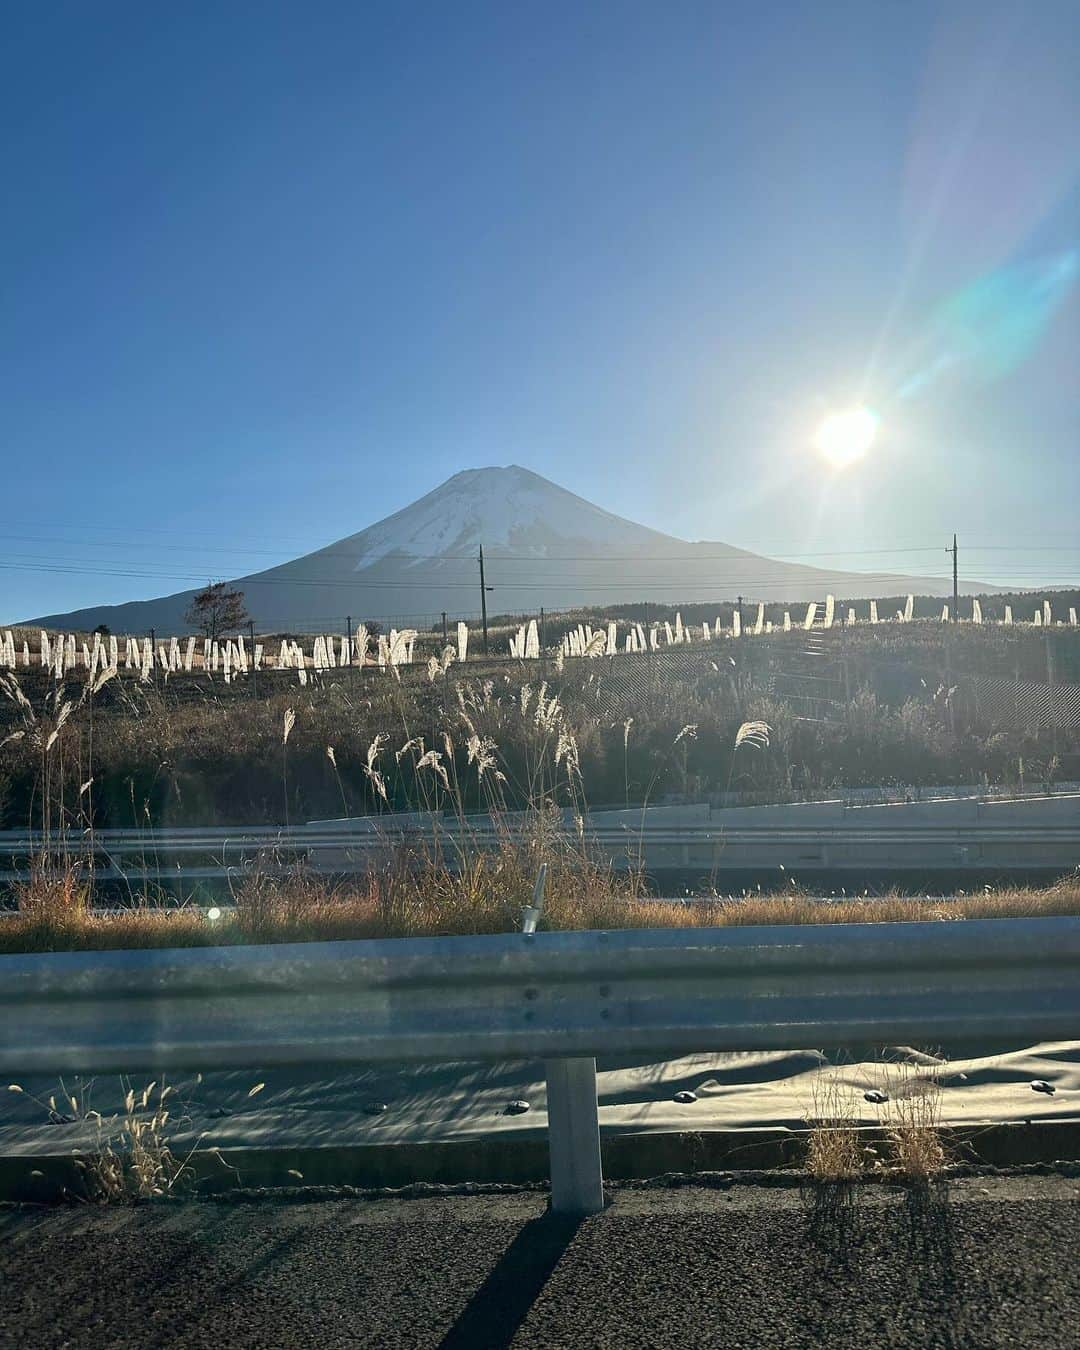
507	510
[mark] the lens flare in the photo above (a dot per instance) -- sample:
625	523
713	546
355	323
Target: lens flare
994	325
844	437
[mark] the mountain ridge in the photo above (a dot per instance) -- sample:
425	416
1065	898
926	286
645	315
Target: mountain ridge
544	547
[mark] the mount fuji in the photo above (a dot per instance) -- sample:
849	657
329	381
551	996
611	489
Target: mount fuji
543	547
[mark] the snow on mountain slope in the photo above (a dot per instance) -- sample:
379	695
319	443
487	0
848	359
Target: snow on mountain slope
545	547
508	510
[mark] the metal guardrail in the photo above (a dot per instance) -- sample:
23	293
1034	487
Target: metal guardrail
301	838
561	997
899	837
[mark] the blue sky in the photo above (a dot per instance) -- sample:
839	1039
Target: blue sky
271	271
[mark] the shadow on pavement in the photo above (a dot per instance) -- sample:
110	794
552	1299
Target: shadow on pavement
831	1218
932	1240
499	1307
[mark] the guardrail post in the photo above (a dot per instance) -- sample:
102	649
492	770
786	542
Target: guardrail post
577	1183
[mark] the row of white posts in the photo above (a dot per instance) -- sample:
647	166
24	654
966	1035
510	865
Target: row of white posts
588	641
61	653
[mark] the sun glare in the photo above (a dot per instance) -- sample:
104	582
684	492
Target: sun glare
844	437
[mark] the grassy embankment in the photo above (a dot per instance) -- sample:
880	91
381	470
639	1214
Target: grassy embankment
74	759
487	896
193	751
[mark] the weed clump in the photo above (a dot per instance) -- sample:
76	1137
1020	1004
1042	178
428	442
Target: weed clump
130	1156
904	1142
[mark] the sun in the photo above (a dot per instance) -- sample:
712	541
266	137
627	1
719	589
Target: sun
844	437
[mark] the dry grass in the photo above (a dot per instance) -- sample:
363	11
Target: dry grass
53	893
199	752
912	1120
487	893
131	1157
835	1151
839	1146
1006	902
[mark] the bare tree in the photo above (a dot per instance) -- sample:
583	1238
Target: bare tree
217	609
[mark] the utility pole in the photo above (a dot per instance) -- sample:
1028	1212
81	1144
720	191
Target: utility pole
739	598
483	599
955	582
445	639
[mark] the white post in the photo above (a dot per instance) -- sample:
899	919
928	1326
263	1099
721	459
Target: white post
577	1183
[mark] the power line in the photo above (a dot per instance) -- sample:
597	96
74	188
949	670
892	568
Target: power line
117	568
690	553
582	581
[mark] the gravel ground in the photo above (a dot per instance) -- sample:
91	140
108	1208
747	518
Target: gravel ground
987	1261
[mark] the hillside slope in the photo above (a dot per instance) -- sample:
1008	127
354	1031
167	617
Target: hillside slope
543	546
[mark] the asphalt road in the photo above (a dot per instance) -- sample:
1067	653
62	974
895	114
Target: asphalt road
987	1262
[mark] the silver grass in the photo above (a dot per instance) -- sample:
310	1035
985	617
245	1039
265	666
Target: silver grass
597	644
431	759
103	679
755	734
413	743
